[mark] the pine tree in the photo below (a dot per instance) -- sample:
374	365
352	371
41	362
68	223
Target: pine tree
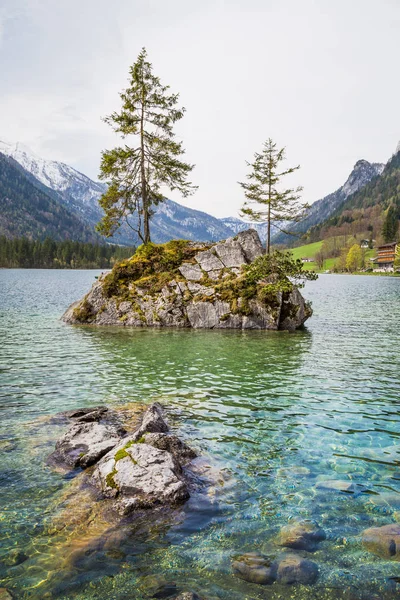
390	224
135	173
272	205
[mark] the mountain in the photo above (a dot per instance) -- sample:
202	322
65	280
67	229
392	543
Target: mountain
26	210
364	211
80	195
236	225
76	191
172	220
362	173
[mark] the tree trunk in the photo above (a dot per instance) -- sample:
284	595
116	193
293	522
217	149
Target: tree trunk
269	218
146	218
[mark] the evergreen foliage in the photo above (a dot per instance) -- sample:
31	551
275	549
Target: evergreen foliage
135	173
272	205
390	225
49	254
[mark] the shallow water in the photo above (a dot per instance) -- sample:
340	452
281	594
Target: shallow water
258	405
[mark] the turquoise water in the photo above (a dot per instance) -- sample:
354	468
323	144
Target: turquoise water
257	405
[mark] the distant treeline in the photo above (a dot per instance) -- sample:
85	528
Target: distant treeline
48	254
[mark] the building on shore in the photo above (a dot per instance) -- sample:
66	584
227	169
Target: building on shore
384	262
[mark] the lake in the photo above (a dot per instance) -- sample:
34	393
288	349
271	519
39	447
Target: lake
274	413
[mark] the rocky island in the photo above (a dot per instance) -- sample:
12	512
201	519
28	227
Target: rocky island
227	285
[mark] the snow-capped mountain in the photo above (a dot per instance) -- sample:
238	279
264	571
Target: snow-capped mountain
80	195
77	191
362	173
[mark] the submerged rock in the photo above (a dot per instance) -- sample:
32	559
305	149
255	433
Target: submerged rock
292	568
254	568
383	541
336	485
187	284
188	596
303	535
287	569
5	594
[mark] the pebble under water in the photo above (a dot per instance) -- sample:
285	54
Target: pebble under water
274	414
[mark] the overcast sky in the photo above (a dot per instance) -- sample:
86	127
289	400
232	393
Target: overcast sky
320	77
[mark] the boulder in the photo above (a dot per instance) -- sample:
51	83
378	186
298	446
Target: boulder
172	444
251	244
254	568
191	272
145	468
153	421
5	594
85	415
140	476
336	485
231	253
292	568
85	443
294	311
301	535
383	541
209	261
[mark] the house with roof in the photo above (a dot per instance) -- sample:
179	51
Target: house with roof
384	261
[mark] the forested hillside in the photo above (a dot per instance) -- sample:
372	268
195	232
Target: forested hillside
373	212
49	254
28	211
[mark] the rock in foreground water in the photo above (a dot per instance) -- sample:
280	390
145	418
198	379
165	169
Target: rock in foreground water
383	541
85	443
292	568
301	535
254	568
287	569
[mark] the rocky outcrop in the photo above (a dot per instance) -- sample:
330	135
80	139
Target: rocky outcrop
139	470
184	284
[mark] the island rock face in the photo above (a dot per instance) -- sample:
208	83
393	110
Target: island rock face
188	284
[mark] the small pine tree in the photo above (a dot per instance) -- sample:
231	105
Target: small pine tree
272	205
135	173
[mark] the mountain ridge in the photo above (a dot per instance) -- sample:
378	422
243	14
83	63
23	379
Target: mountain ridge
361	174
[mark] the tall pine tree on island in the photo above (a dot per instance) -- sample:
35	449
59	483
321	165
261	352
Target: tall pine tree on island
272	205
135	173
